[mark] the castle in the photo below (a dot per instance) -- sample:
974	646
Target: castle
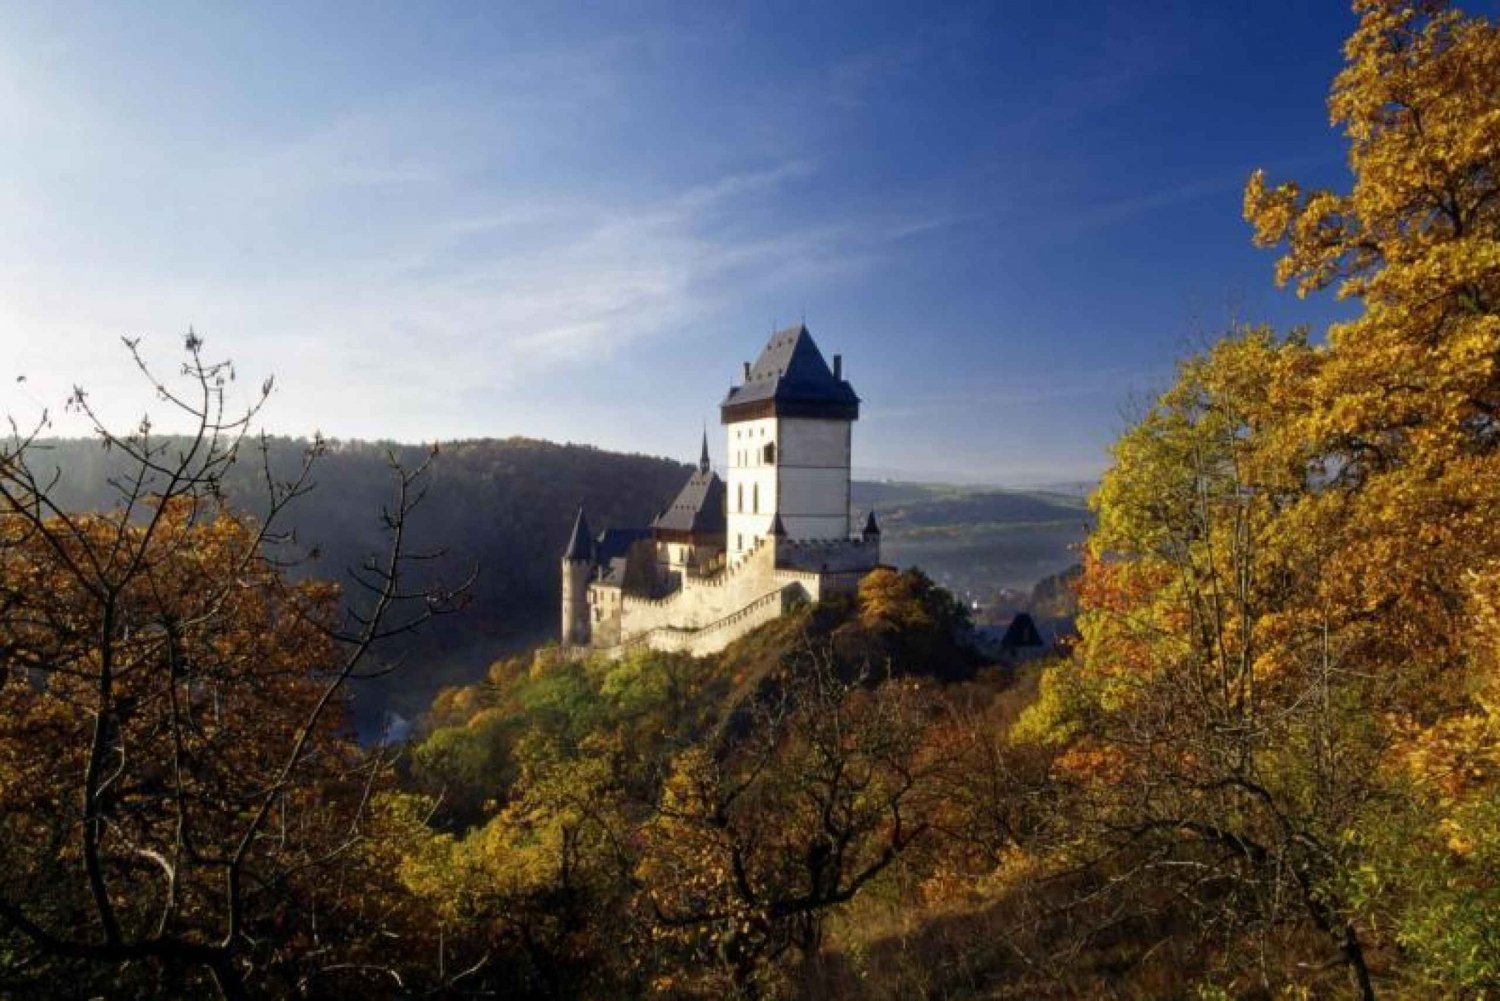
725	557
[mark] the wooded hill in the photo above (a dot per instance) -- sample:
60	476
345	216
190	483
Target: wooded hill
501	509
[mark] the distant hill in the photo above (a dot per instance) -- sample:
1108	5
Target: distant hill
976	540
1056	597
501	507
504	508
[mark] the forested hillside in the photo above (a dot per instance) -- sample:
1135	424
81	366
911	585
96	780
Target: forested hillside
501	510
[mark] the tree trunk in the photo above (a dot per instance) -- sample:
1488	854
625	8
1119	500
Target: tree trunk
1359	973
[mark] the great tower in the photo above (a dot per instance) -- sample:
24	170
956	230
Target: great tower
788	429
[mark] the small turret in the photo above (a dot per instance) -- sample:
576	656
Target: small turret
778	529
871	537
703	460
577	567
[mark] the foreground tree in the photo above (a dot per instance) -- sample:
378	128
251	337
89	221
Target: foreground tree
1283	700
178	797
756	843
1405	412
1219	737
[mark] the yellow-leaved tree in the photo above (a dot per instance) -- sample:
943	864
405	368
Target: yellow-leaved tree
1404	411
1284	700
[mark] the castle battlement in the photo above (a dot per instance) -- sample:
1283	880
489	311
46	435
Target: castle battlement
727	556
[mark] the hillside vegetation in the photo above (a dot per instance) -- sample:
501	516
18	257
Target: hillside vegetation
501	510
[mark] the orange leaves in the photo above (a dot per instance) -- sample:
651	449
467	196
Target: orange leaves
1456	757
894	600
201	666
1094	763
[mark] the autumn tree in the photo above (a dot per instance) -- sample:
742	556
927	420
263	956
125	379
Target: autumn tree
1404	412
757	841
179	800
1280	699
1218	736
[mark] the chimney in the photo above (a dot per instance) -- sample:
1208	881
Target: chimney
838	366
747	371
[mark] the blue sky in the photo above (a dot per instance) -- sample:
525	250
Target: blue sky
574	221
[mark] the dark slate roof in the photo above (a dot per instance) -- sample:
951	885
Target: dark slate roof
1022	632
613	571
614	543
699	506
581	542
791	369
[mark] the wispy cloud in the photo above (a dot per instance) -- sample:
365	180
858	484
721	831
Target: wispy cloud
363	251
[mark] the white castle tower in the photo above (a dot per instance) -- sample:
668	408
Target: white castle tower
788	428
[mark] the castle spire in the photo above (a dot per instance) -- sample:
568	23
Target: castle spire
703	460
581	544
778	528
870	527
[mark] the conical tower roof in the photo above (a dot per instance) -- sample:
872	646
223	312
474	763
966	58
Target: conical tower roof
581	544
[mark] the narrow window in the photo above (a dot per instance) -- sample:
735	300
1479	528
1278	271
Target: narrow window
755	499
740	498
769	453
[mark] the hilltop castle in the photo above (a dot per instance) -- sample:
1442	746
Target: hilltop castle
725	557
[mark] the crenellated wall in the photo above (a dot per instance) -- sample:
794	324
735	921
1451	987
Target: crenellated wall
828	555
706	614
717	635
702	600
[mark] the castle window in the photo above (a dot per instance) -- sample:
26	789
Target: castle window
740	504
755	499
769	453
739	541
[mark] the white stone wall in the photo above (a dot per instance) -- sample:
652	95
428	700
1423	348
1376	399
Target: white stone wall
701	602
806	478
813	473
708	614
751	482
702	642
